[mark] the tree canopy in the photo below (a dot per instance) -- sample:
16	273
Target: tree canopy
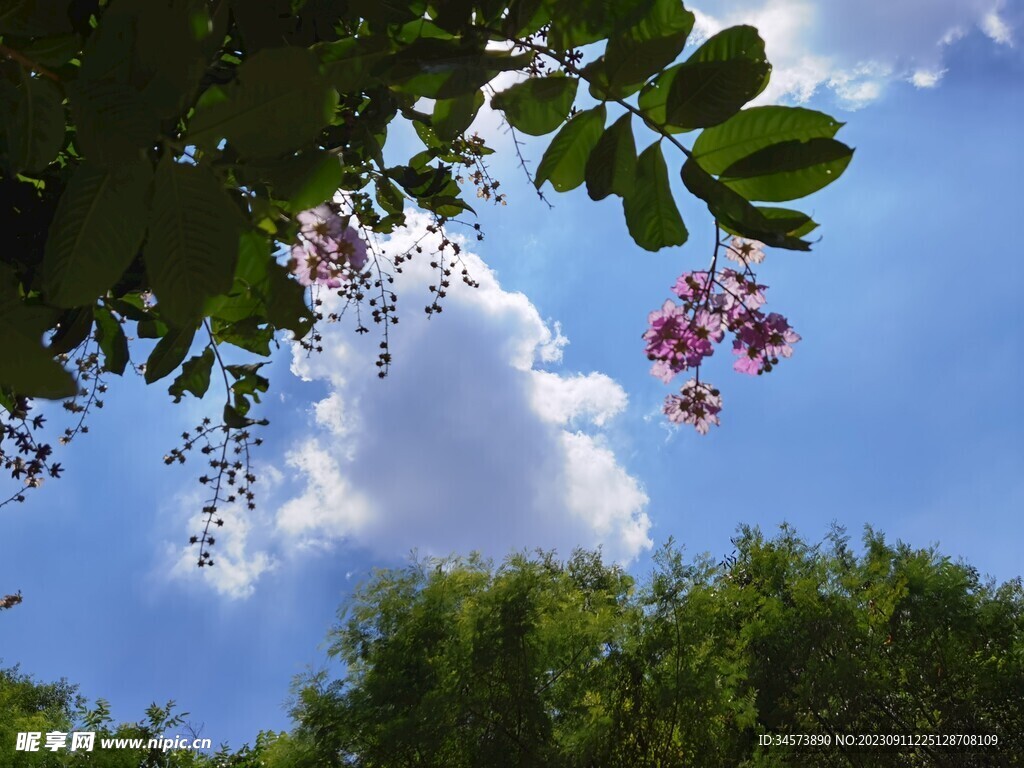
184	176
575	663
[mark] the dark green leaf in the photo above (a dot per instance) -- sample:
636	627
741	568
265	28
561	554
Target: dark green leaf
236	420
112	341
35	129
286	302
611	169
74	328
26	366
193	240
793	223
565	160
48	51
453	116
728	70
151	328
307	180
113	121
96	232
248	383
168	353
736	213
575	23
279	103
651	213
633	56
538	105
250	334
438	69
194	376
169	50
752	129
788	170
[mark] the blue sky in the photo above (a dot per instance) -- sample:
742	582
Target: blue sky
524	414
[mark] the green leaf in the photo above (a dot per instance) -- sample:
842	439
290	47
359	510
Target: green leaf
96	233
753	129
193	240
248	383
151	328
236	420
728	70
611	169
35	128
654	43
565	161
575	23
26	366
194	376
651	213
736	213
168	353
286	302
112	341
445	69
249	334
538	105
72	330
788	222
169	49
48	51
113	121
307	180
788	170
453	116
279	103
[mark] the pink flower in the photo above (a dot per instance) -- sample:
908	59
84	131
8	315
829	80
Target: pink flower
353	247
326	248
321	226
745	251
691	286
780	336
697	404
741	294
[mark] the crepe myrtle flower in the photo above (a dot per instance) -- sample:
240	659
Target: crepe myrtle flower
697	404
744	251
328	250
681	337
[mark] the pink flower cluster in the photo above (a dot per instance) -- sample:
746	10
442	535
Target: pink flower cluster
328	249
682	335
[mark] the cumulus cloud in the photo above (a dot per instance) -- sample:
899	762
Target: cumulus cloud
470	443
237	567
477	440
855	48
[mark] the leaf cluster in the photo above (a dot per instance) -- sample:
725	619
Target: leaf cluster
153	156
540	662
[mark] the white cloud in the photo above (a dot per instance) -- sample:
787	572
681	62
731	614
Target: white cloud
993	25
855	47
236	567
467	444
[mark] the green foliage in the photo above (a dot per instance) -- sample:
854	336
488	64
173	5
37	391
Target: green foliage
165	148
539	662
97	230
192	248
538	106
651	213
565	161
